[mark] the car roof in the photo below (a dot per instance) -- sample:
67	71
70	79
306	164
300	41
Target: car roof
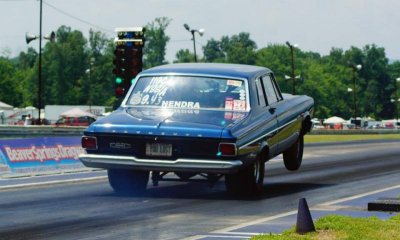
214	69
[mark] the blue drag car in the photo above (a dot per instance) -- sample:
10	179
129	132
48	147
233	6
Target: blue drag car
211	120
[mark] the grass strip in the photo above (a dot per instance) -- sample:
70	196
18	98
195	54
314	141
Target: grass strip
344	227
348	137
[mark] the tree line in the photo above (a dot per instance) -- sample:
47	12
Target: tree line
77	71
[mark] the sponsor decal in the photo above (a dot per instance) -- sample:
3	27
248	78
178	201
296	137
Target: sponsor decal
180	104
235	83
239	105
229	104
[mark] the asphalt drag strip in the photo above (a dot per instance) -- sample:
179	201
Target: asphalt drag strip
354	206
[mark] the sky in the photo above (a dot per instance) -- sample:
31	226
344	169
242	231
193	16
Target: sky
315	25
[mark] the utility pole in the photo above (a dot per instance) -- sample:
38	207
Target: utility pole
293	77
40	64
396	100
355	68
29	38
192	31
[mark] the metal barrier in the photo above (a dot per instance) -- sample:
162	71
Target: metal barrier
11	131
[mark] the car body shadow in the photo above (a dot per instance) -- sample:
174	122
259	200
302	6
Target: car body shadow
201	190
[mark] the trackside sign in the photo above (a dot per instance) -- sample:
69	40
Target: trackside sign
40	154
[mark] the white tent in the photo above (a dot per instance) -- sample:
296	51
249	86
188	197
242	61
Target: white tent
5	106
77	112
334	120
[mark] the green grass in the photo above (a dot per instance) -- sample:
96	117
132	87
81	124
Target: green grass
343	227
349	137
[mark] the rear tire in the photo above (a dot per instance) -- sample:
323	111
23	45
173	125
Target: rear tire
128	181
293	156
248	180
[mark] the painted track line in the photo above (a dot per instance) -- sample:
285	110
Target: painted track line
360	195
230	236
224	236
55	182
257	221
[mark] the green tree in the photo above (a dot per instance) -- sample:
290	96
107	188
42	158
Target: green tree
156	42
394	74
376	97
184	56
277	58
213	51
236	49
77	70
98	81
28	59
239	48
8	82
394	87
26	76
64	64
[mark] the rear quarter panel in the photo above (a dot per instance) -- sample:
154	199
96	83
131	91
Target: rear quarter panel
291	112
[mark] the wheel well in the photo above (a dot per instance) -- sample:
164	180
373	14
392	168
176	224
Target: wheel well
307	125
264	153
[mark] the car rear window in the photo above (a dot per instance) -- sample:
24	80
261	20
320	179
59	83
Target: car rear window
192	92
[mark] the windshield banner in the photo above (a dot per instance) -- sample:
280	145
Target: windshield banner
42	154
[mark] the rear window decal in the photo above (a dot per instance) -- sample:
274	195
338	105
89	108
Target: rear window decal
180	104
239	105
235	83
229	103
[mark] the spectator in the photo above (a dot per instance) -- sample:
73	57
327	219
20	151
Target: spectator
28	120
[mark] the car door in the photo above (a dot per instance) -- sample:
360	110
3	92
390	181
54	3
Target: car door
269	120
287	124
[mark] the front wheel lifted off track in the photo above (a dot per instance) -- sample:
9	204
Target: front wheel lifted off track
293	156
128	181
248	180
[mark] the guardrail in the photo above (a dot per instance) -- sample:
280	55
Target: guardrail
353	131
11	131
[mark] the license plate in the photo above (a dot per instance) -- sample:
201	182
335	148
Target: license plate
159	149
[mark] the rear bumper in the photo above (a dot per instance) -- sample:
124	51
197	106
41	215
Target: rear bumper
178	165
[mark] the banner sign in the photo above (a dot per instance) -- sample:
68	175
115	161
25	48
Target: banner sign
41	154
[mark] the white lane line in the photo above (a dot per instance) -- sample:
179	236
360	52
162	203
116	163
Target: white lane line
241	233
257	221
23	185
230	236
360	195
49	174
216	236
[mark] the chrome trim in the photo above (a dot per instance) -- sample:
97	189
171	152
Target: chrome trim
269	133
245	80
202	165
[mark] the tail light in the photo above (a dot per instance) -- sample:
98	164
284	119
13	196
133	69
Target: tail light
89	143
227	149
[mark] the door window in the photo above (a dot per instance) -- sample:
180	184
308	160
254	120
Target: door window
260	93
270	90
